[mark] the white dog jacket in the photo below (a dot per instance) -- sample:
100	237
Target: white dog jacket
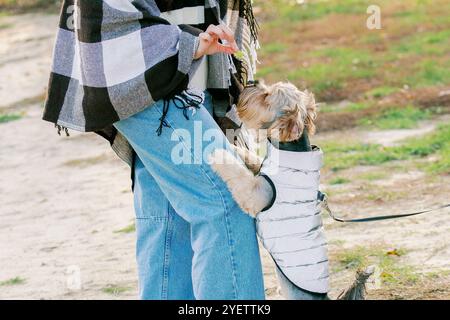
291	229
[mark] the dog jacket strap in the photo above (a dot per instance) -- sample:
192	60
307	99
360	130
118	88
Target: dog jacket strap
274	190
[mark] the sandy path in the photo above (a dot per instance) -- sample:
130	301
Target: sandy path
56	214
63	199
25	55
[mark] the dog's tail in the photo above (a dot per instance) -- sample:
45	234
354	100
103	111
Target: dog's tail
357	291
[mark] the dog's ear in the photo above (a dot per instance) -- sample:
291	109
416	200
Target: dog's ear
252	101
293	129
311	113
288	127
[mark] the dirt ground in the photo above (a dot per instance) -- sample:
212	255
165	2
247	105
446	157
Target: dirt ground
65	203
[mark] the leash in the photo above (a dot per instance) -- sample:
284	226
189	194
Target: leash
324	199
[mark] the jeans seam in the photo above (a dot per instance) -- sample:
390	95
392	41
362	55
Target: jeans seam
166	263
226	212
156	219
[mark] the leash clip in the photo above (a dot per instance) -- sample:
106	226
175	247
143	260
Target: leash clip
323	198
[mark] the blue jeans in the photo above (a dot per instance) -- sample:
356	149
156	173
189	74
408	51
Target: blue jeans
193	240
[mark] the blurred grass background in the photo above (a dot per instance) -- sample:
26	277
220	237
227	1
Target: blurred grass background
393	78
19	6
326	46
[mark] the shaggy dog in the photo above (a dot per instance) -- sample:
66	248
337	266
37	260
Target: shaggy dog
279	112
281	117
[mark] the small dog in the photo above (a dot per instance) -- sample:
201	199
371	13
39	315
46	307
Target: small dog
279	112
290	225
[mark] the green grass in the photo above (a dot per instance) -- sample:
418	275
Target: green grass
419	12
418	72
4	118
5	26
291	11
319	77
346	155
424	44
353	106
321	87
393	273
274	47
129	229
341	156
12	282
340	65
387	260
429	144
264	71
339	180
437	143
437	274
415	14
372	176
397	118
429	72
412	49
115	290
357	257
442	165
381	92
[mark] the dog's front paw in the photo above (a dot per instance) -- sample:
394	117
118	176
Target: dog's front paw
251	193
260	196
251	208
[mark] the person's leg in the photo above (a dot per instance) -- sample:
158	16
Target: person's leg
160	233
226	262
291	292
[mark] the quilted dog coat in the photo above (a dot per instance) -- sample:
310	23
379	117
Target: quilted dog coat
291	230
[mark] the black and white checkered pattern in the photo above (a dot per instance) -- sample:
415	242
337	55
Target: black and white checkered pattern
114	58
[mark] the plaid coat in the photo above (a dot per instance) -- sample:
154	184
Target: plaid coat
114	58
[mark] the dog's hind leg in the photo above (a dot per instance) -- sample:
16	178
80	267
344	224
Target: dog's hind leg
252	193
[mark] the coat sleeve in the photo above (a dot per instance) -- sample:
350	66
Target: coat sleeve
135	42
113	59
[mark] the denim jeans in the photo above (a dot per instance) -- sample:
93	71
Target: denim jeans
193	240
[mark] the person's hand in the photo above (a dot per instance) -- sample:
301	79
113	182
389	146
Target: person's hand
209	41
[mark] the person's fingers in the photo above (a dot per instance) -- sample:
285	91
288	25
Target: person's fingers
224	48
212	35
206	37
215	31
224	33
229	35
